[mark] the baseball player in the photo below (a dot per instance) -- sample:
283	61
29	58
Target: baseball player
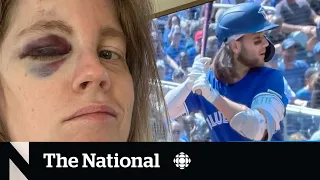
240	98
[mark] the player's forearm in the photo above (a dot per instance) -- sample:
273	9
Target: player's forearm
175	100
228	108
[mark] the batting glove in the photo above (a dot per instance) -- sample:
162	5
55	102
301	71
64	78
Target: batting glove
207	91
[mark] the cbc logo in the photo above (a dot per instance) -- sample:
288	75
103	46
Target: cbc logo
182	160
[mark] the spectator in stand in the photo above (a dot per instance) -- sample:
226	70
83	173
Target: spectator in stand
315	6
173	52
316	55
293	70
159	52
172	21
162	57
306	92
297	16
315	98
189	125
303	43
212	46
175	46
177	131
276	36
184	62
178	76
161	69
186	30
196	50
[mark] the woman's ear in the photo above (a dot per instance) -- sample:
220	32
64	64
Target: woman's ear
236	47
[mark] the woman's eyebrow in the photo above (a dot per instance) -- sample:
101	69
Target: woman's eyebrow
43	25
111	32
62	26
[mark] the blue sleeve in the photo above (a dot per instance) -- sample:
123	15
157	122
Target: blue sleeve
273	83
192	103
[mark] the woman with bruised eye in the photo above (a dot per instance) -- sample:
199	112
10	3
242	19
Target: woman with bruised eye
77	71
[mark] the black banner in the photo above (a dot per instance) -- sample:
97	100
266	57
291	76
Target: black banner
150	160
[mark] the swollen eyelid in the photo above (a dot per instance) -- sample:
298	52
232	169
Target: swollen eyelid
50	51
51	45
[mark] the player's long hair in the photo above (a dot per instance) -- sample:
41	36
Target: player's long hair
135	18
222	64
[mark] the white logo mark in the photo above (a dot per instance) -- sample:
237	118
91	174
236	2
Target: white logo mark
182	160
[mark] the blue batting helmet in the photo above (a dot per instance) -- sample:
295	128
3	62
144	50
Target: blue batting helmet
244	18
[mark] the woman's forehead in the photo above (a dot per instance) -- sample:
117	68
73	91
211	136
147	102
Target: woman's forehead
76	11
49	7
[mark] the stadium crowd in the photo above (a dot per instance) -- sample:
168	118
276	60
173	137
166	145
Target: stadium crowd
177	40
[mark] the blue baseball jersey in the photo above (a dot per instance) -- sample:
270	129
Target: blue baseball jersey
257	80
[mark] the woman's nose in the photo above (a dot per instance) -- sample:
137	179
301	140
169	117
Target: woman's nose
90	75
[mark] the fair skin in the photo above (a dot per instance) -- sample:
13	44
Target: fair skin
85	68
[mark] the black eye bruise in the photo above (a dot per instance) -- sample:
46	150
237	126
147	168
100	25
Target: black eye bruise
49	51
51	45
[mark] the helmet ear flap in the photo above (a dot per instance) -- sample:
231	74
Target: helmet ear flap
270	50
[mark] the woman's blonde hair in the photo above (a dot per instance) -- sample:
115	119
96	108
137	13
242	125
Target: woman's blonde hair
135	19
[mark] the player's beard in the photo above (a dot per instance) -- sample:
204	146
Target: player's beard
250	62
